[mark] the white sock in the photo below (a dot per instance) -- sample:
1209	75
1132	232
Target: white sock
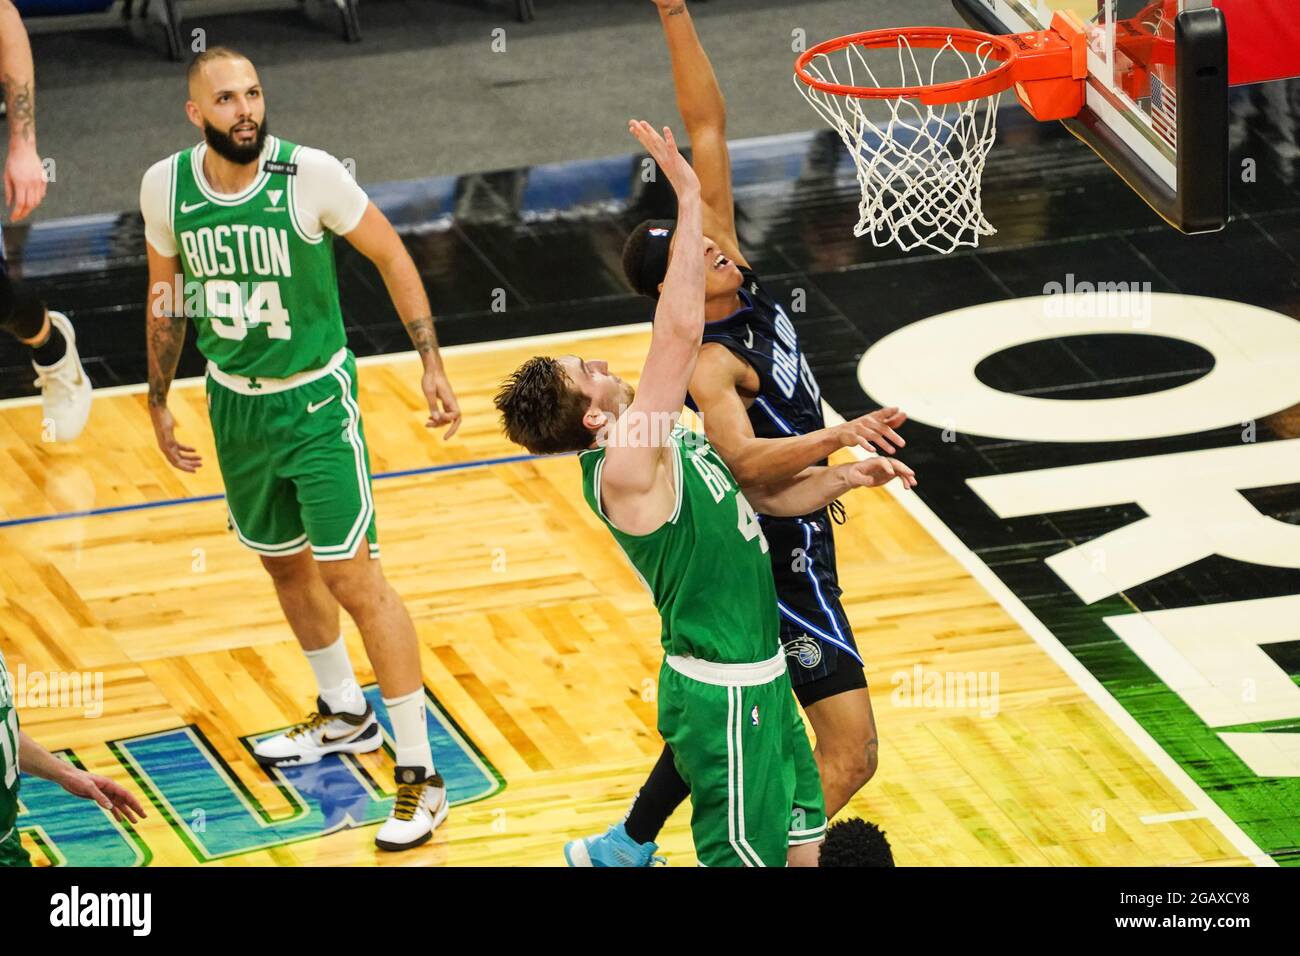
407	716
335	680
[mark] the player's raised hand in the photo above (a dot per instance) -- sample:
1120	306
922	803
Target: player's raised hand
109	794
874	431
443	407
164	430
24	182
663	148
873	472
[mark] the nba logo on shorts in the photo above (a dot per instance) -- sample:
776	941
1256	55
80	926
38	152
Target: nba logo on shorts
753	716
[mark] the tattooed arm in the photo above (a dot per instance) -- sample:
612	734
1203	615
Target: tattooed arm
166	336
376	239
24	174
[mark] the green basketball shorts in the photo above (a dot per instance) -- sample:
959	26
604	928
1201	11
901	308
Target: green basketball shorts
742	749
294	461
12	851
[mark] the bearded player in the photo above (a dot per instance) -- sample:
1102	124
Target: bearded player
240	231
725	706
761	408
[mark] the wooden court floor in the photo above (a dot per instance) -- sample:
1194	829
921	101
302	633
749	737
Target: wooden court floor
536	638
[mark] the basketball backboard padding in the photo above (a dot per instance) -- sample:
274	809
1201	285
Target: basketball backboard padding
1264	39
1161	126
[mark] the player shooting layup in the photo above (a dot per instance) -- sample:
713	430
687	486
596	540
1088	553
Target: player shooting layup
725	703
761	408
244	220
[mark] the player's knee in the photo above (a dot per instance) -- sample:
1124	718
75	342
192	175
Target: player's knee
855	765
357	588
871	761
286	570
858	770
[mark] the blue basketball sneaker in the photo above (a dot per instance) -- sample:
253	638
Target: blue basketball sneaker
612	848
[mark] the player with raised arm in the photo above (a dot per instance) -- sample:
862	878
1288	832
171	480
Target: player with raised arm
761	408
240	234
19	750
65	389
725	705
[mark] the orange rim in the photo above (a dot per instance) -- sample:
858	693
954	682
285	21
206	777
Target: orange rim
954	91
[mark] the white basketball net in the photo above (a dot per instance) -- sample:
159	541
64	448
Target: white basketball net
919	168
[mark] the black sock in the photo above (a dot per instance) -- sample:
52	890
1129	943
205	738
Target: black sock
55	347
663	792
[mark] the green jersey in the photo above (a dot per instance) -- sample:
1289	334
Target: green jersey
260	281
707	565
8	753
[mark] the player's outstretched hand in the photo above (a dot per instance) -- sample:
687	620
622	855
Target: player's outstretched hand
874	431
164	429
24	182
443	408
109	794
872	472
670	159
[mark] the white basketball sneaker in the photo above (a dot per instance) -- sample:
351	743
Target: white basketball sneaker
323	732
65	389
421	805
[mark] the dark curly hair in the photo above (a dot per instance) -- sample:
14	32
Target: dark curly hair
542	410
855	842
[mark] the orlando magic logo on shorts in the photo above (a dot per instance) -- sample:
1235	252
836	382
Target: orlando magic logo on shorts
814	628
805	650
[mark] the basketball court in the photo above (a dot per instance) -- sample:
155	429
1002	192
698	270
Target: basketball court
1079	630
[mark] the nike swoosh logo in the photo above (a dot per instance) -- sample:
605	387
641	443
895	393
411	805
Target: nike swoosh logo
749	337
186	207
317	406
338	739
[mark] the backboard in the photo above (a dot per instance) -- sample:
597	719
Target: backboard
1156	97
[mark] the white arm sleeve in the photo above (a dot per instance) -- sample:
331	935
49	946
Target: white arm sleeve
155	205
327	195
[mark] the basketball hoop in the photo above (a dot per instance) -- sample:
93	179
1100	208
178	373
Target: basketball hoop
920	162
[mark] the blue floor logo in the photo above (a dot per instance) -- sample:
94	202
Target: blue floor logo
215	814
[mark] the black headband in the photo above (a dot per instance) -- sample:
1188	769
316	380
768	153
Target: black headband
654	255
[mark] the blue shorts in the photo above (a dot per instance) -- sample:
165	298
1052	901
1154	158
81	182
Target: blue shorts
821	651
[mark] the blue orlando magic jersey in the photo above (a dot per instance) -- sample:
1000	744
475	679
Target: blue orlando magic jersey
760	333
814	628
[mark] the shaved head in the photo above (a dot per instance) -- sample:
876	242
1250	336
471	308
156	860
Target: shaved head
198	66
